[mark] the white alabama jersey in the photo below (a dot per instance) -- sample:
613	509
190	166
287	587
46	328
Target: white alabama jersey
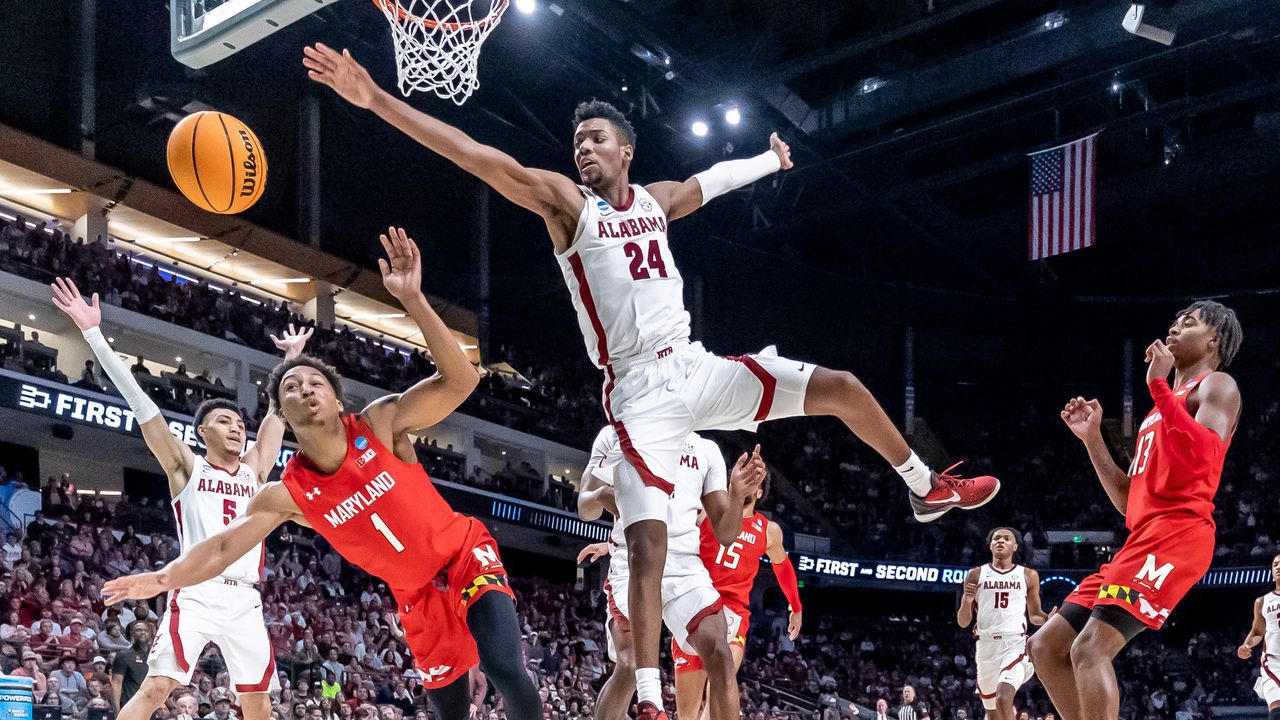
1002	601
624	282
213	498
1271	614
701	471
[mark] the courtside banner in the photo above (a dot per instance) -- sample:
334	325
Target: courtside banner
86	407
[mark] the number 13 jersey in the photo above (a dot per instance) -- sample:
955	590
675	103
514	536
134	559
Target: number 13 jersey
379	512
625	286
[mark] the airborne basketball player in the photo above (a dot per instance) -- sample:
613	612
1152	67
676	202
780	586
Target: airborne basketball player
357	481
610	239
208	493
1266	630
1167	500
1003	595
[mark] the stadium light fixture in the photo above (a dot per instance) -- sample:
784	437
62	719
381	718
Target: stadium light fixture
527	6
35	191
155	240
699	128
377	316
31	316
280	281
733	115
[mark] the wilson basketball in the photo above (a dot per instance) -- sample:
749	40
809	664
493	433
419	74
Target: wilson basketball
217	162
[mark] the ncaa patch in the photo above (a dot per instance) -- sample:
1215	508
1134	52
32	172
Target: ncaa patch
605	207
362	442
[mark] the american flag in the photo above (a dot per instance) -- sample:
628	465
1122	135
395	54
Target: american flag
1062	217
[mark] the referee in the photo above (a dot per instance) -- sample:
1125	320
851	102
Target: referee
912	709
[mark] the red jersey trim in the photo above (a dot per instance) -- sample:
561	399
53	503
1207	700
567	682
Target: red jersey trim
265	683
998	571
232	473
768	384
174	636
630	201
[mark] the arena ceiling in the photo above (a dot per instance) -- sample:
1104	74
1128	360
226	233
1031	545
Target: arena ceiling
910	122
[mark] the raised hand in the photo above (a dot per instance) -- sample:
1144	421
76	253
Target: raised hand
1244	652
293	341
593	552
132	587
67	299
747	475
784	151
341	73
402	270
1083	417
1159	361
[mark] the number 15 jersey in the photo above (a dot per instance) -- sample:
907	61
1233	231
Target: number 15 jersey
733	569
379	512
625	286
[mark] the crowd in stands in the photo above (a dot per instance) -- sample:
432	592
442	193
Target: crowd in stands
340	650
834	485
555	404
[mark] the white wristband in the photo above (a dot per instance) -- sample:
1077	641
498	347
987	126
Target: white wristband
143	407
733	174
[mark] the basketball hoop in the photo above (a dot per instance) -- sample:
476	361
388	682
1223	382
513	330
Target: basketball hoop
437	43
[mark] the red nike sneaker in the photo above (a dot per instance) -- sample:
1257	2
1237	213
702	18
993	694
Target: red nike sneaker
952	491
649	711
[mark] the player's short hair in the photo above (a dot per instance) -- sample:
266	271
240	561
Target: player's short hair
212	404
1017	536
1223	319
593	109
328	371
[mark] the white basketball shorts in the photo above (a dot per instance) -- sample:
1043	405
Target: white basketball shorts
229	616
688	597
654	404
1001	660
1268	684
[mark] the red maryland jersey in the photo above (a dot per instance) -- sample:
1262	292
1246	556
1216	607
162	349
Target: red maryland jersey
1177	462
733	569
378	512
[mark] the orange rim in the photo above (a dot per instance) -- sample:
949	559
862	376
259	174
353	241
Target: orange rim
394	7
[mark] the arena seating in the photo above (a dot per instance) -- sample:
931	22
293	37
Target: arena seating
323	615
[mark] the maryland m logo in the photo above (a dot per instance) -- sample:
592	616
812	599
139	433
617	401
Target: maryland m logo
1152	574
486	555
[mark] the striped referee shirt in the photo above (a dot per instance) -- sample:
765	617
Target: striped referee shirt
913	711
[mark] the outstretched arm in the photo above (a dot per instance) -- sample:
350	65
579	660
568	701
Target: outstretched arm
785	573
266	448
1084	418
268	510
174	457
431	400
724	509
1245	651
1035	611
964	613
681	198
551	195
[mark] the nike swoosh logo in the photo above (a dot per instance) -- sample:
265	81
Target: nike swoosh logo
955	497
801	367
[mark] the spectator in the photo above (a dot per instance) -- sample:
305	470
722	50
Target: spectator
71	683
31	668
129	668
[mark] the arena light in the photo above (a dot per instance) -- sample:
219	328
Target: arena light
733	116
280	281
527	6
31	316
377	316
699	128
157	240
35	191
1151	22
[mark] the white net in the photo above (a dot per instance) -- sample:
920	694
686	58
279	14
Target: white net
437	43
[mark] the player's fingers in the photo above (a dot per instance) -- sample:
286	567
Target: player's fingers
386	246
275	339
384	268
742	461
94	304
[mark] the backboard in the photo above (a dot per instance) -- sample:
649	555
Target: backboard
203	32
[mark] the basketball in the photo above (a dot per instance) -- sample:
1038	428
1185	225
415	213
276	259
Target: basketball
217	162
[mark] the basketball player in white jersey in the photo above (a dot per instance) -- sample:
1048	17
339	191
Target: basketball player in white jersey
610	239
208	492
1003	595
1266	630
691	605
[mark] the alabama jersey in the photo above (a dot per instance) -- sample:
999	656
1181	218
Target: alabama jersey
379	512
1268	685
624	283
225	610
211	499
1172	470
733	569
1001	601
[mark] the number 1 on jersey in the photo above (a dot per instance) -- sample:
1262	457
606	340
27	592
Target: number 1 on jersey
386	532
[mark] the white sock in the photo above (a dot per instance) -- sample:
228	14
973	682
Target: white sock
916	474
649	686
